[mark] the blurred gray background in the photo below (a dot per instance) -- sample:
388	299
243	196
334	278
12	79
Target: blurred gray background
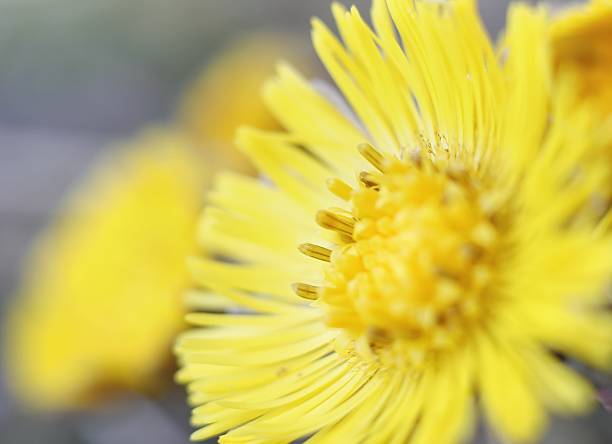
74	77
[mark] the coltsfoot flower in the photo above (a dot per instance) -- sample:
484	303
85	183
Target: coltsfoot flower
582	46
582	51
102	294
227	94
413	259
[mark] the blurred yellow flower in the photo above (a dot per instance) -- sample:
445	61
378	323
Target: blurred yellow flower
102	294
582	46
582	49
226	94
445	263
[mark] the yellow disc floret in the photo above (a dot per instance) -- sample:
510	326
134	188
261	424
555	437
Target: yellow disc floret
417	250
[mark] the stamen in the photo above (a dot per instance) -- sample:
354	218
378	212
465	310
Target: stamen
316	252
471	251
339	188
367	179
371	155
416	157
457	172
306	291
441	272
333	221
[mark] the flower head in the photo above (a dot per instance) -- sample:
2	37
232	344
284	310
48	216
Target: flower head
582	46
101	298
582	51
416	250
226	95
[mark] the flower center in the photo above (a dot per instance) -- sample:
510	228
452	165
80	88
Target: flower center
414	259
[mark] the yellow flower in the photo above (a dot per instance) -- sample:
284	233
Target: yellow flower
120	243
582	45
582	51
428	231
101	299
226	95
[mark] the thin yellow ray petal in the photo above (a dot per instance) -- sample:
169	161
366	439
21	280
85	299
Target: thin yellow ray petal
315	412
218	338
528	65
190	372
198	300
315	123
509	402
402	412
449	402
358	421
300	176
233	381
560	388
580	332
405	73
303	386
254	278
255	358
216	428
380	80
213	319
265	202
339	65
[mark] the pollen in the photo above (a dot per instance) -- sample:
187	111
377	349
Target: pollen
414	262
